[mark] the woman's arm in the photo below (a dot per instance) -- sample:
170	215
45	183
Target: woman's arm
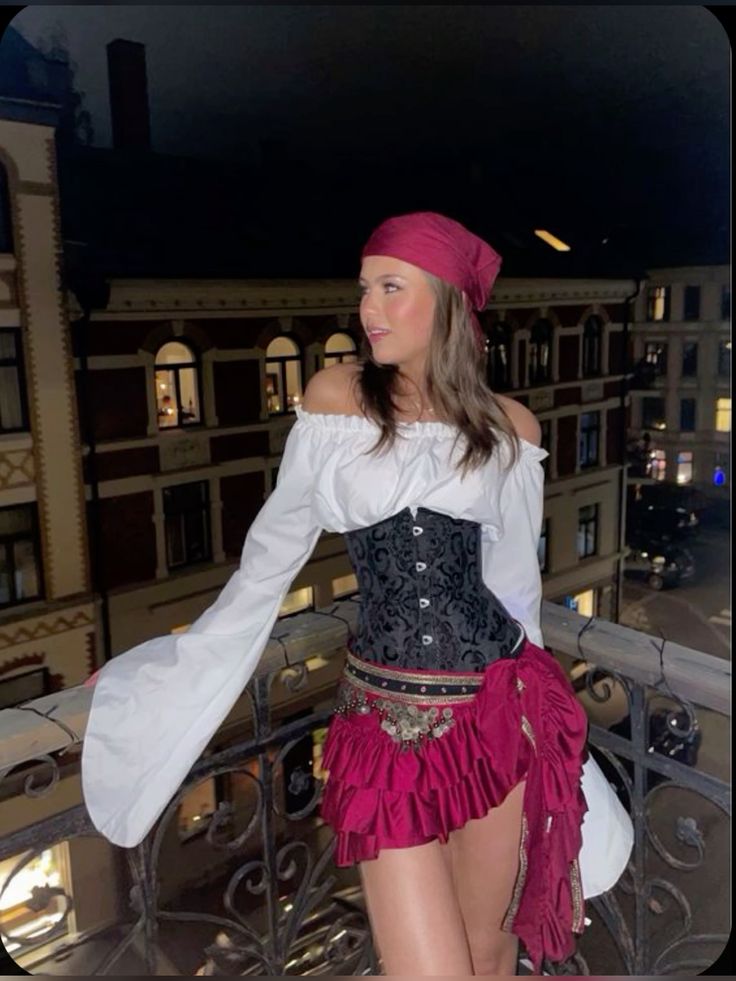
156	707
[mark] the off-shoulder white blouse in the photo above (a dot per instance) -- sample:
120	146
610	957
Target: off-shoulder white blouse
156	707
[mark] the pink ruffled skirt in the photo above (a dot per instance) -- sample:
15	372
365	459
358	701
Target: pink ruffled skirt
522	723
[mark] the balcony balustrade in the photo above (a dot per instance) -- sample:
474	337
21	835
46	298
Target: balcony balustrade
266	898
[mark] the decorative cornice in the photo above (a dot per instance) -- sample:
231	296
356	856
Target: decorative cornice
211	298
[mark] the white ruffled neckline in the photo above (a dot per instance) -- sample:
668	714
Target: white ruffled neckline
351	423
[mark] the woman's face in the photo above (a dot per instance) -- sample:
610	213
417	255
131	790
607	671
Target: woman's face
397	297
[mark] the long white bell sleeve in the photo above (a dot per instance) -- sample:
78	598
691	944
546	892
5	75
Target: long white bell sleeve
155	707
510	564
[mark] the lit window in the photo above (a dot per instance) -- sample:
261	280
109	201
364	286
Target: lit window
297	600
585	603
657	465
177	386
283	375
658	303
35	919
344	585
684	467
339	348
723	415
655	354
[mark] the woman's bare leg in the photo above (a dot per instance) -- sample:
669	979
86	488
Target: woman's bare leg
414	913
485	863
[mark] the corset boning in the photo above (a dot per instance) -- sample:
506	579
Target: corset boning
423	602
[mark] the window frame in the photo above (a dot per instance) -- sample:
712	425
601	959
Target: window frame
592	364
691	347
194	365
694	402
722	410
545	327
652	297
647	423
583	524
34	536
691	311
723	346
7	232
659	361
18	363
584	457
205	510
725	302
280	361
500	336
342	356
684	463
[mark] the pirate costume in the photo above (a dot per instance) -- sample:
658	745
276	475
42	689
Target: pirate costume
448	698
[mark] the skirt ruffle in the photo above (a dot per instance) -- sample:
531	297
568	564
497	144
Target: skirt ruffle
524	724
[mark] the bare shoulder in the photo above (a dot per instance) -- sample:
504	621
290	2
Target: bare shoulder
331	389
524	421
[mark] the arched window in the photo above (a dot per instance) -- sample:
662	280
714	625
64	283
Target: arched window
283	375
540	353
178	400
499	357
592	337
338	348
6	224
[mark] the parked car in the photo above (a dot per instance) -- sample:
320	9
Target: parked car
668	494
661	521
669	735
659	563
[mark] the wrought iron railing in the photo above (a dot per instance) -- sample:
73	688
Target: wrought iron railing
273	903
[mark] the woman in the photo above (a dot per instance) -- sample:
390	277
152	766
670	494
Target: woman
455	755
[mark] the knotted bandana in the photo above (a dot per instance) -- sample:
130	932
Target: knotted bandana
445	248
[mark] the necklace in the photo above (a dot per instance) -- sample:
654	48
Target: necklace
418	407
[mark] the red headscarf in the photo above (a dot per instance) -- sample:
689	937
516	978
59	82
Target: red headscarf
444	248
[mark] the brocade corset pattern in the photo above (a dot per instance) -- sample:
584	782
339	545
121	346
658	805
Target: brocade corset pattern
423	602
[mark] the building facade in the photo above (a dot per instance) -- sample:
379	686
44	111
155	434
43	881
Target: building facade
47	611
681	393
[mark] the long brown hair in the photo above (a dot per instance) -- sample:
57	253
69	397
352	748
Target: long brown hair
456	384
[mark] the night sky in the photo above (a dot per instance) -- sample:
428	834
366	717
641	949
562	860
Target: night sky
595	122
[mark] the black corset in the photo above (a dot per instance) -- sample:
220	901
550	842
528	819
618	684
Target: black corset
423	602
